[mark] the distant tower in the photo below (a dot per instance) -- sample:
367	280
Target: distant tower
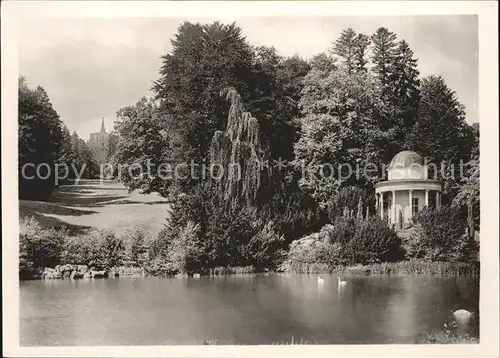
98	144
103	129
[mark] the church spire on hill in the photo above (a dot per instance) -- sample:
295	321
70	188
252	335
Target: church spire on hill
103	129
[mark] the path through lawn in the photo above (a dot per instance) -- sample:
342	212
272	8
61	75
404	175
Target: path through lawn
95	205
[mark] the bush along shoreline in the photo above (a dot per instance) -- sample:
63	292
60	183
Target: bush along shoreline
349	245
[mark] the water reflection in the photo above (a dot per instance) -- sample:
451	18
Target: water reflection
251	309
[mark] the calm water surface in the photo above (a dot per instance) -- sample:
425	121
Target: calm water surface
254	309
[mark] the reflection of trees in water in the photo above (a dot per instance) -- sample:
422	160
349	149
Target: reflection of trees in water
466	296
364	305
372	291
313	307
466	292
436	298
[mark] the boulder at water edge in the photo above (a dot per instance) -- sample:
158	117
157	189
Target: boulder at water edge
50	274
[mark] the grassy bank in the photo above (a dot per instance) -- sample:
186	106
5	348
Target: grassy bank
449	334
408	267
440	337
95	205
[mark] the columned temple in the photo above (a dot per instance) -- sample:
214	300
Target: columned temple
407	190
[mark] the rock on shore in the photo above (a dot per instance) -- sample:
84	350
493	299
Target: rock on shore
72	272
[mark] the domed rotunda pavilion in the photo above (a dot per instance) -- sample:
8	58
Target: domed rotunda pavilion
407	189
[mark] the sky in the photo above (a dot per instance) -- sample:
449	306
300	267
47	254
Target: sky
90	68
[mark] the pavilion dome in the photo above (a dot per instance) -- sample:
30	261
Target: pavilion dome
405	159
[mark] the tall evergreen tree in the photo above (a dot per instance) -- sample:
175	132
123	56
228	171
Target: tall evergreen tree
384	54
441	134
406	83
40	139
204	60
351	47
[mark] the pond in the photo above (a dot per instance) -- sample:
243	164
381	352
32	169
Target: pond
252	309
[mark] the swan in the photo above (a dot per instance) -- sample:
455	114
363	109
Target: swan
463	318
341	284
462	315
320	279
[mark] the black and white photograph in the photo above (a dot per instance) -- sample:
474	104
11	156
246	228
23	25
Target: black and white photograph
215	180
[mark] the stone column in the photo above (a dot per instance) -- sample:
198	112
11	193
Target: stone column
410	199
426	197
393	206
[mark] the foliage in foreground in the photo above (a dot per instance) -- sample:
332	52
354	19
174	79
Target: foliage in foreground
449	334
406	267
348	241
205	233
101	250
38	248
441	236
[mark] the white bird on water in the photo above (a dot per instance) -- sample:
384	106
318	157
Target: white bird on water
463	315
463	318
341	284
320	280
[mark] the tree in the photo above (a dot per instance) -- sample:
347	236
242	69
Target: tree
204	60
396	70
441	134
468	194
384	54
351	47
238	152
289	78
406	89
66	154
112	143
140	148
276	87
337	109
323	63
40	140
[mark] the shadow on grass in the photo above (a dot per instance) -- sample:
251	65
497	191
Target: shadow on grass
50	222
39	207
89	189
121	202
77	200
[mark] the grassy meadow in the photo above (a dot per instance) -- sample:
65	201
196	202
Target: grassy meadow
92	205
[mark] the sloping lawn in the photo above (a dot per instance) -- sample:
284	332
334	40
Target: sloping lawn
95	205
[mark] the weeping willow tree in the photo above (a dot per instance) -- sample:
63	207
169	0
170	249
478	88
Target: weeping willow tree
238	154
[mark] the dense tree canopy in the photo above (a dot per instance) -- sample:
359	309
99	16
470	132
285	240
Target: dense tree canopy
44	144
311	138
41	139
141	147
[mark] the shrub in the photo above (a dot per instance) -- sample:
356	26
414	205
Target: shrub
136	243
101	250
186	251
342	230
177	250
265	249
449	334
440	236
80	250
38	248
348	198
232	233
159	266
315	249
374	242
111	250
348	241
